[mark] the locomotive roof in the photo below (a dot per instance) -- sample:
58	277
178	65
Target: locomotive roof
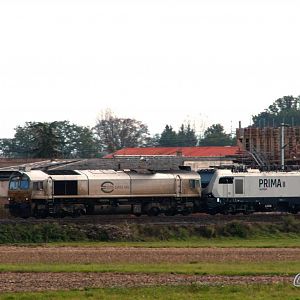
33	174
37	175
256	172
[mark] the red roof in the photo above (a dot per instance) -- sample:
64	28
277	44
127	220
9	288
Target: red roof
211	151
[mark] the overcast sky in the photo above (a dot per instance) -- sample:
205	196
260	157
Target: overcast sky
160	62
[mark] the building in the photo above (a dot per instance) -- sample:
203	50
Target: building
264	144
170	157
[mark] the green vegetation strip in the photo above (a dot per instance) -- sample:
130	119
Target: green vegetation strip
278	241
196	268
237	292
55	232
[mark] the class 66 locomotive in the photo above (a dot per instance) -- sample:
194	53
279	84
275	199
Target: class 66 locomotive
62	193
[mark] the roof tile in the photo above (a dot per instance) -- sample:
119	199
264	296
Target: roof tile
210	151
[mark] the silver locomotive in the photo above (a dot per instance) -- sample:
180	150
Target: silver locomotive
230	191
77	192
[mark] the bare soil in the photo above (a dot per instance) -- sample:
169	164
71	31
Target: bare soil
12	254
16	282
26	281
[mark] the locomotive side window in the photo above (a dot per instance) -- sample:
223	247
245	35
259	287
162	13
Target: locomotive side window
38	186
239	186
193	183
62	187
226	180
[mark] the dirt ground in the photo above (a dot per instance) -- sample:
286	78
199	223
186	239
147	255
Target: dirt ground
17	281
11	254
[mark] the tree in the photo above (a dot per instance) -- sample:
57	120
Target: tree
116	133
153	141
44	140
168	137
215	136
186	136
50	140
283	110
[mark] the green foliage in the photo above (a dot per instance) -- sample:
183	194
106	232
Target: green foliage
50	140
207	231
235	229
216	136
55	232
168	137
283	110
116	133
185	137
168	292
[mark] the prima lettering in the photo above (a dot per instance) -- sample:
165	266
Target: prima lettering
270	183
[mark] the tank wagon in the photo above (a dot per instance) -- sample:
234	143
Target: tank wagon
228	191
60	193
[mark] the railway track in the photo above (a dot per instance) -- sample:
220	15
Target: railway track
200	219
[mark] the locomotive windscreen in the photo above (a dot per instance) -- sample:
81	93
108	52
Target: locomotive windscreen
206	175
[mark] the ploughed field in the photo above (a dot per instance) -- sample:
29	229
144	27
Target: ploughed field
77	267
100	255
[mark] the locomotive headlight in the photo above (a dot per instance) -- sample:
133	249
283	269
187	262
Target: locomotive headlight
26	199
8	199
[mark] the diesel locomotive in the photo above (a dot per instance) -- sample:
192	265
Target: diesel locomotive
61	193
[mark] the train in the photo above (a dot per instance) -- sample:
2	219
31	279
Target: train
233	191
87	192
60	193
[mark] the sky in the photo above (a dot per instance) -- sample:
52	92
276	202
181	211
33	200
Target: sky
160	62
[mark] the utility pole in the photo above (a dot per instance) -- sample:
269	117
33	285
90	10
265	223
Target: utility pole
282	145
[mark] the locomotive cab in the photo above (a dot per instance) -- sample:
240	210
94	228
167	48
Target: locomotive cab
20	192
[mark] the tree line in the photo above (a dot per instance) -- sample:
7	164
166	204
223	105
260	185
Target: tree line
62	139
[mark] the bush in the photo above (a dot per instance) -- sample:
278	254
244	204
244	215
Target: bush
55	232
207	231
235	229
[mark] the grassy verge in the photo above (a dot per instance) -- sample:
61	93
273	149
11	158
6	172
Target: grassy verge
237	292
289	230
197	268
276	241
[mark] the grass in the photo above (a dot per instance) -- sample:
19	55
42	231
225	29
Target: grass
198	268
200	292
271	241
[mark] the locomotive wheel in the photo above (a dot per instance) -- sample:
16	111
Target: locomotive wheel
41	214
76	213
186	212
154	211
170	213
